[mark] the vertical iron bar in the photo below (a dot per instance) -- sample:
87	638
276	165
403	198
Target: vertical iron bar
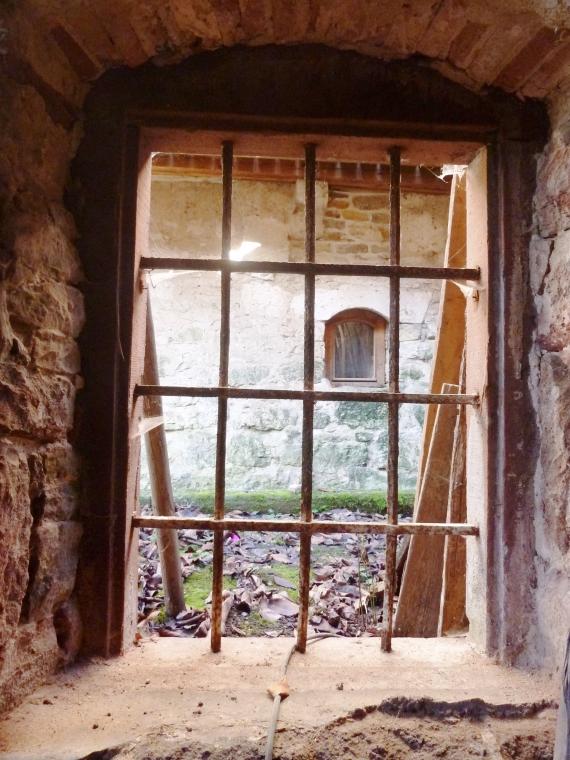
393	406
218	556
308	406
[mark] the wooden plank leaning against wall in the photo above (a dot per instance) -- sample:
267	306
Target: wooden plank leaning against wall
429	561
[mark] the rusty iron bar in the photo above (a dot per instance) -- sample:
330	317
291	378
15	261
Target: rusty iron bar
308	403
393	406
310	267
381	397
220	487
299	526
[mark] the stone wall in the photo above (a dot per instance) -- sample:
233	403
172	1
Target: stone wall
264	437
41	315
550	387
47	64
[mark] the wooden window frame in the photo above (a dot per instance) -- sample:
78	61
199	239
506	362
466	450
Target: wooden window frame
379	325
136	222
435	121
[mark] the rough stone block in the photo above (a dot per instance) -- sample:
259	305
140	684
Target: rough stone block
553	320
369	202
26	660
46	166
46	305
15	527
352	248
552	199
68	629
56	545
55	353
355	216
42	239
57	481
35	404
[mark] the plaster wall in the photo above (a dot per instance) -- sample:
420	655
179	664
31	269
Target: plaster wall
266	348
550	389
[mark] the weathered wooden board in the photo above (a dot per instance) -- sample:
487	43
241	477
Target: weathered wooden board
452	617
419	600
160	484
450	335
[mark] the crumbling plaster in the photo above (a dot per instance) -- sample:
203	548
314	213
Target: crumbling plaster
40	127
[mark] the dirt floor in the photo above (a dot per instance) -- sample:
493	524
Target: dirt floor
172	698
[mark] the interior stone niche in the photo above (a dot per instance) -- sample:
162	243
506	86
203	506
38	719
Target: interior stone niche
41	108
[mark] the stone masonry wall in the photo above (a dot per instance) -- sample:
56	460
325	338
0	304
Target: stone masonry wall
550	386
41	315
264	437
50	56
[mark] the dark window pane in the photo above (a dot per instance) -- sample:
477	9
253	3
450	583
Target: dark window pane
354	351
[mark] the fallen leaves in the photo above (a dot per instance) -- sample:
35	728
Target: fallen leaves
346	592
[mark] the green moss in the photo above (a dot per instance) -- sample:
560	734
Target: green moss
285	502
288	572
197	587
355	414
255	625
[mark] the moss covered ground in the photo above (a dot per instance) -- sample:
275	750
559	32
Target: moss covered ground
285	502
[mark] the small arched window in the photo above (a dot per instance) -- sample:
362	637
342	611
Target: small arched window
355	348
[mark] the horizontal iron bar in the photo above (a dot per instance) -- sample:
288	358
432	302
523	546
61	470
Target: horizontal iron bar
381	397
298	526
302	267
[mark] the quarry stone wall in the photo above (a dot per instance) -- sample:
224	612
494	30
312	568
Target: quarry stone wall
266	345
550	387
43	85
41	316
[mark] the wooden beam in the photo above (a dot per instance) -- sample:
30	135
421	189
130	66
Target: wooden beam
298	526
418	604
338	139
160	484
382	397
452	617
450	335
303	267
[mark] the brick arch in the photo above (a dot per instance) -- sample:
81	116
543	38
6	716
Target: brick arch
517	45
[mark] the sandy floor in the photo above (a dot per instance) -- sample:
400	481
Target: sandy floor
177	687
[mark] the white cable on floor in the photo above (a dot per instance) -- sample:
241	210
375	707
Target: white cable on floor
278	698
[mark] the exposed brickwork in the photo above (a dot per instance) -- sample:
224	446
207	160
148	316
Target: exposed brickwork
355	226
